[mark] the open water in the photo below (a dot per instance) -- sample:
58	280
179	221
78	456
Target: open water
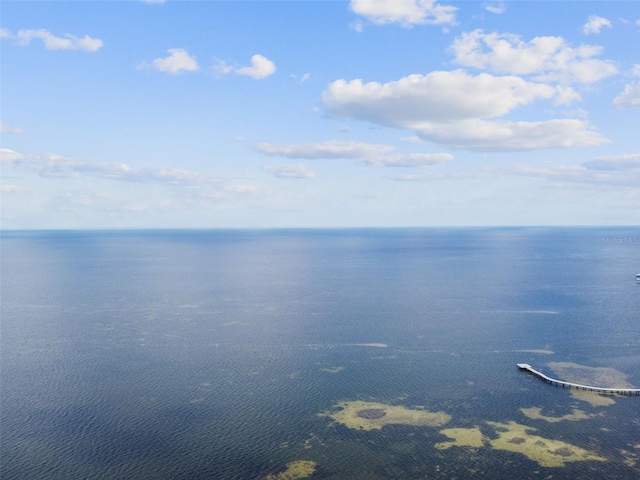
210	354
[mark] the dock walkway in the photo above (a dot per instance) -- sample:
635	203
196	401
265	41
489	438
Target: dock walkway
559	383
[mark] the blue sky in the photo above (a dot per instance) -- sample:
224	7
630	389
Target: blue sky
216	114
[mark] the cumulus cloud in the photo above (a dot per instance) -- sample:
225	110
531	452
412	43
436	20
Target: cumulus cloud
404	12
630	97
372	154
51	165
261	67
595	24
452	108
177	62
6	128
290	171
51	42
566	95
436	97
549	58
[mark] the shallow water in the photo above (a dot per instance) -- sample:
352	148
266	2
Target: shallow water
210	354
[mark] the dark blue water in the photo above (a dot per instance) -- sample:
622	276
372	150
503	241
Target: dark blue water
208	354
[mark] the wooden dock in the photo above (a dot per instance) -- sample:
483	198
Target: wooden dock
559	383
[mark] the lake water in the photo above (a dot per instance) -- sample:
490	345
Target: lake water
211	354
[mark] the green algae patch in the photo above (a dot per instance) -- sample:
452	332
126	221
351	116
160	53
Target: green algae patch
295	470
630	459
360	415
592	398
462	437
313	440
535	413
514	437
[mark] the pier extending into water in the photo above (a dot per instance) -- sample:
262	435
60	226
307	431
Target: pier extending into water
559	383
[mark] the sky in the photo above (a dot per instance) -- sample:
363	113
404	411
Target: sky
279	114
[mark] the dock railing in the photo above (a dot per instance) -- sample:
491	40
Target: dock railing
559	383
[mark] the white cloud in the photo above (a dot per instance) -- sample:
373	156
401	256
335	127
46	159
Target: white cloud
325	150
585	71
551	58
427	175
412	139
421	176
51	165
404	12
636	70
290	170
300	78
577	174
409	160
451	108
221	67
357	26
261	67
497	8
630	97
479	135
376	155
51	42
9	156
436	97
616	171
177	62
595	24
6	128
566	95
